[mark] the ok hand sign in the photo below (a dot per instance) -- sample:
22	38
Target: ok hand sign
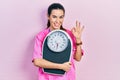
77	31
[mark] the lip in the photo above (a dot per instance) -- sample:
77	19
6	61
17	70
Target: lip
56	25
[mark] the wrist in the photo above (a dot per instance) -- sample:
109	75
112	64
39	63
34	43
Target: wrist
78	40
79	43
60	66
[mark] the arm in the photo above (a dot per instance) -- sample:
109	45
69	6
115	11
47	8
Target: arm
78	54
47	64
77	32
40	62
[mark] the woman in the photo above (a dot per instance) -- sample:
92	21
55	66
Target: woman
56	13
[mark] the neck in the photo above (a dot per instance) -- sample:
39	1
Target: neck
53	29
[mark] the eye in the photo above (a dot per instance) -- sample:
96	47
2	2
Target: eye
61	17
54	16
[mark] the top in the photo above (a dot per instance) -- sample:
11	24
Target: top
70	75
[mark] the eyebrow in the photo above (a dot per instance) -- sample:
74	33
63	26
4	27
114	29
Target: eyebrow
60	16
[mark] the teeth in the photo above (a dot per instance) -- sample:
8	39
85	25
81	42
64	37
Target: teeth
56	24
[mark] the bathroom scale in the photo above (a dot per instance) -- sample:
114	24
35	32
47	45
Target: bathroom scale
57	48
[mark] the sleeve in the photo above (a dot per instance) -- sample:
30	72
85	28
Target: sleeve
37	53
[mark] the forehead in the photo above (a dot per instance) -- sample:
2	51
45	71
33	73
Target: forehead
57	12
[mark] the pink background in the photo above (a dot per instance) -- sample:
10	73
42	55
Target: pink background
21	20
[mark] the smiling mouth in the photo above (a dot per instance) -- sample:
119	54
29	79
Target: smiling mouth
56	25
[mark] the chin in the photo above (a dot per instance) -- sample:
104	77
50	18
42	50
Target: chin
56	27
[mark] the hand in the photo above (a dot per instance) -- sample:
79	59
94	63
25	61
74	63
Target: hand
77	31
66	66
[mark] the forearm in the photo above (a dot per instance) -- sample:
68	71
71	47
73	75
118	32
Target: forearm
46	64
78	53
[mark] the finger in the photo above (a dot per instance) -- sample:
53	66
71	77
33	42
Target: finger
82	28
77	24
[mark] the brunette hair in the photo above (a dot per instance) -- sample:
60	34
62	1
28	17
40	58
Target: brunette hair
55	6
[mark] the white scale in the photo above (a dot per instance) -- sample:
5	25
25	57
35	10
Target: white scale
57	48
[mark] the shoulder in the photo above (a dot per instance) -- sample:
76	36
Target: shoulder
69	32
71	35
42	33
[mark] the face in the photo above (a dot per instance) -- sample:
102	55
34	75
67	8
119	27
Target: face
56	19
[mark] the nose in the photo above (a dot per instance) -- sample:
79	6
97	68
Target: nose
57	20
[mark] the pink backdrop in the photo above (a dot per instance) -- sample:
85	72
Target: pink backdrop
21	20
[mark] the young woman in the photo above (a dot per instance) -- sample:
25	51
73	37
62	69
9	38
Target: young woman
56	14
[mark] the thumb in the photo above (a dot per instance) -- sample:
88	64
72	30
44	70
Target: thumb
73	29
69	63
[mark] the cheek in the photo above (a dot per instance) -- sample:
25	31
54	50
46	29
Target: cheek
52	20
61	20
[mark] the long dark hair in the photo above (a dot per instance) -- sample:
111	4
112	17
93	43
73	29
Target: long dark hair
55	6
